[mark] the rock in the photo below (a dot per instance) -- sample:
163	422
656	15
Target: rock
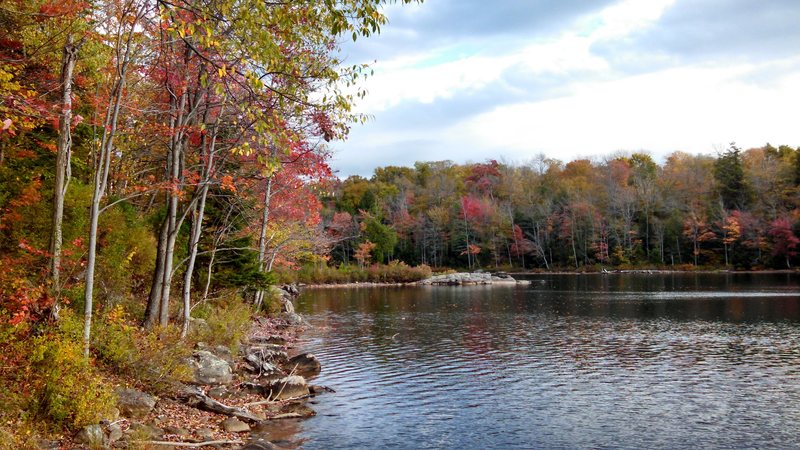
456	279
219	393
291	289
275	340
288	306
91	435
305	364
224	353
292	318
144	432
258	363
234	425
46	444
177	431
284	388
259	444
289	387
206	434
316	389
134	404
298	410
114	432
209	368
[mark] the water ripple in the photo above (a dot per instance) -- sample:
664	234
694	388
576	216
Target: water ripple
570	367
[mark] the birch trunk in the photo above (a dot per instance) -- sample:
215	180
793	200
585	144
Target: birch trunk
101	174
197	229
262	240
62	175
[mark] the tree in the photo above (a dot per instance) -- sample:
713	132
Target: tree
784	240
122	33
382	237
731	184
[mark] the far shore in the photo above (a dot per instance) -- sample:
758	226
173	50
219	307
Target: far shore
370	284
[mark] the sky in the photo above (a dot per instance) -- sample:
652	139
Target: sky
473	80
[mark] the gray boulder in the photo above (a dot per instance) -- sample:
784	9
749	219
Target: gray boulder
134	404
259	363
305	364
91	435
114	432
141	431
210	369
234	425
282	389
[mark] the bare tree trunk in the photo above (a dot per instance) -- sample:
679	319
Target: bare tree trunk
101	172
194	240
62	176
208	276
197	228
154	299
159	298
572	239
172	235
262	239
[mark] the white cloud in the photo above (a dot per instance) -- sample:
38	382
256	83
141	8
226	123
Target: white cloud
678	109
419	78
592	106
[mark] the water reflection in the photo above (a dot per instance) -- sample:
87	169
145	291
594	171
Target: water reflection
572	361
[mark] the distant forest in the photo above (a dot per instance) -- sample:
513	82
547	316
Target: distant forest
737	209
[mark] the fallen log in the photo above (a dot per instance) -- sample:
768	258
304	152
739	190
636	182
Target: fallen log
195	398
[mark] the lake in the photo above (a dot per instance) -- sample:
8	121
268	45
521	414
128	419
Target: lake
569	361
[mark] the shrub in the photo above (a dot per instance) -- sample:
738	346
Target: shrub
394	272
228	321
156	358
51	379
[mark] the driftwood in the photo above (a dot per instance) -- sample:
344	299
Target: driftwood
196	398
189	444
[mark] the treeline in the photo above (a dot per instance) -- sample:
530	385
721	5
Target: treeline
737	209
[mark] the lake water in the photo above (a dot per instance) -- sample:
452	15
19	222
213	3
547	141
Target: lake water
570	361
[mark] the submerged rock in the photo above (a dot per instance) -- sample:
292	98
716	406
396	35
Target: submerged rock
259	444
292	410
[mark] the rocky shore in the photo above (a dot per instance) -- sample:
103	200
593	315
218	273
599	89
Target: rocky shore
450	279
231	402
471	278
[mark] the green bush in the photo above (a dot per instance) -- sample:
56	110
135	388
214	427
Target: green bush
52	381
156	358
228	321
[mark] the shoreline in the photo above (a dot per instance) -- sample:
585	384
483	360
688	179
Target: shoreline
372	284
